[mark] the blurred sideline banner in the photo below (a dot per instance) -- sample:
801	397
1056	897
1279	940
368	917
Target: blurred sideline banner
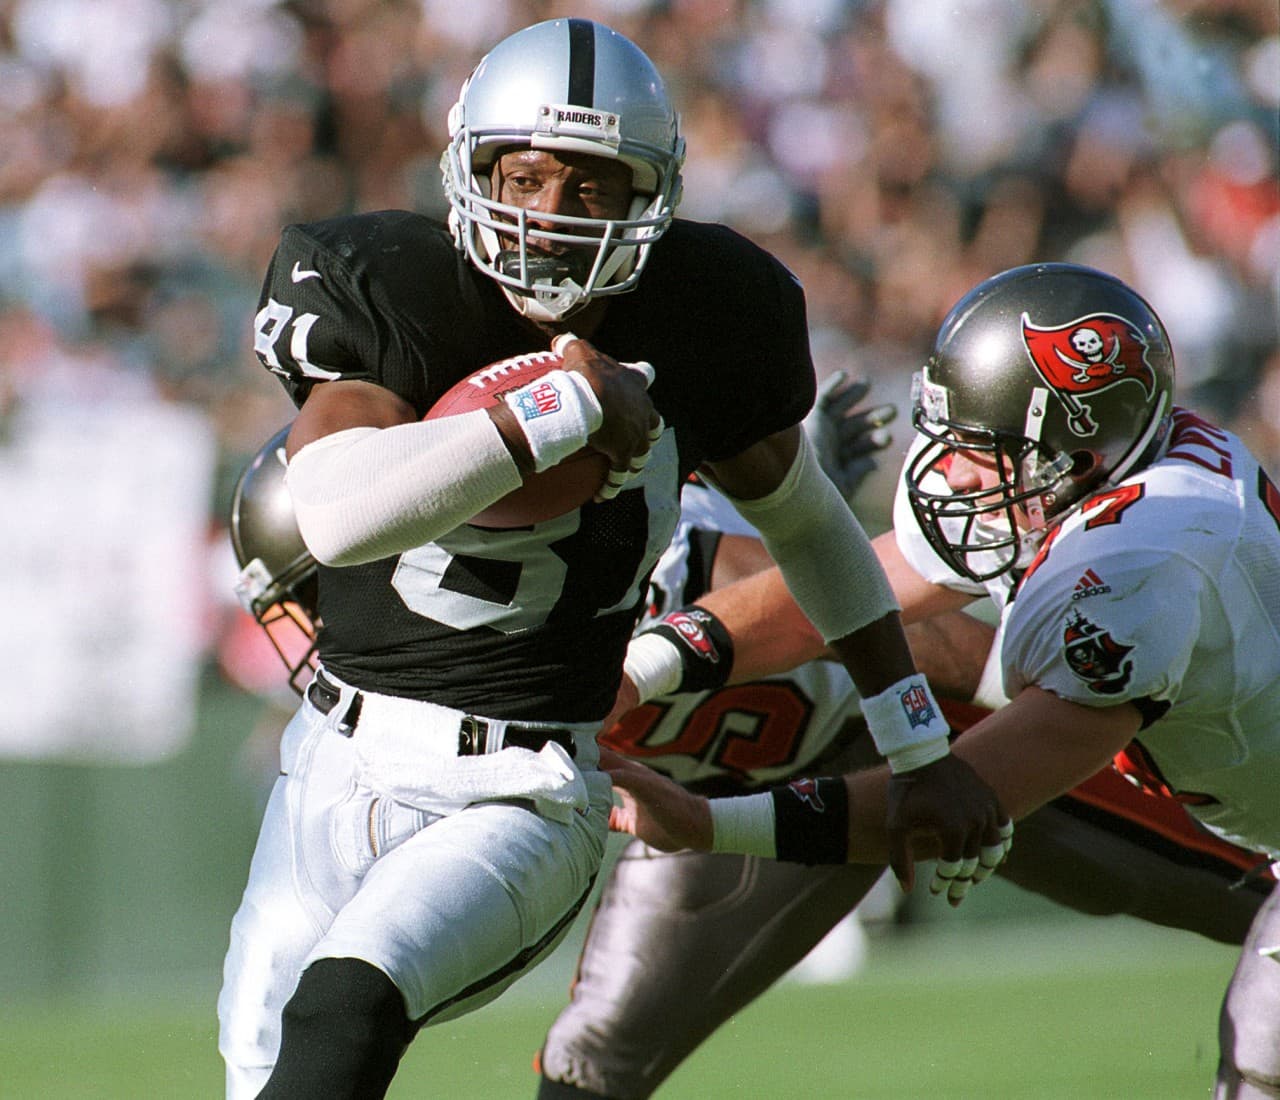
102	578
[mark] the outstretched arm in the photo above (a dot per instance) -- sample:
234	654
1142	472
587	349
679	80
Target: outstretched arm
772	634
1031	751
833	574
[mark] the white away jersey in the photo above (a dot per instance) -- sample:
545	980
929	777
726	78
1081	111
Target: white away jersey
754	733
1165	591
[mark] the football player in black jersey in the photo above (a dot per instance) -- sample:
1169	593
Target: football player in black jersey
440	816
680	942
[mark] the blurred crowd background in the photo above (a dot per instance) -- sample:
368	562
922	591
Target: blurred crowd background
893	152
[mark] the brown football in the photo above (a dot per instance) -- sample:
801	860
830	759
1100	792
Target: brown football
553	492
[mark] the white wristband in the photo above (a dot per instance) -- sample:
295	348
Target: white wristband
906	724
745	824
654	665
558	413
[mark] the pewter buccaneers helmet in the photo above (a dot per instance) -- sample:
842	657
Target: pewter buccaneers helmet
1064	376
575	86
278	576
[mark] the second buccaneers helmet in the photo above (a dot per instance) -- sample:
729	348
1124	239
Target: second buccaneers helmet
278	576
565	85
1063	376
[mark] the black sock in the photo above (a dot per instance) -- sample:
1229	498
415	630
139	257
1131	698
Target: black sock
344	1031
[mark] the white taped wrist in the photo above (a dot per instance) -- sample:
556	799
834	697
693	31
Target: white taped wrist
906	724
654	665
558	412
745	824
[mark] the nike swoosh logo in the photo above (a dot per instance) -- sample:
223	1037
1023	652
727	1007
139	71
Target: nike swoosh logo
299	273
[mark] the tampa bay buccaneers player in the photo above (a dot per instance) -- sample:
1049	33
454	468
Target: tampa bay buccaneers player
440	816
682	941
1134	549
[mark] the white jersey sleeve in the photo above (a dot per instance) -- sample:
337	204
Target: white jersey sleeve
1091	631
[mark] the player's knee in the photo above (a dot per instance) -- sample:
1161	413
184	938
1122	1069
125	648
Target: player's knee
344	1031
356	996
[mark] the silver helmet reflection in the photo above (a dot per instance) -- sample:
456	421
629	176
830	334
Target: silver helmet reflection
1059	376
574	86
278	581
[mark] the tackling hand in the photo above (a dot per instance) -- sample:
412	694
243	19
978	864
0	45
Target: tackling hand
654	808
949	801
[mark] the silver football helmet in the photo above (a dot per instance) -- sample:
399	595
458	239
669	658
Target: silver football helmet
564	85
1062	376
278	582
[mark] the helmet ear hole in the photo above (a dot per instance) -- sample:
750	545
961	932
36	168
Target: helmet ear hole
1085	466
1088	471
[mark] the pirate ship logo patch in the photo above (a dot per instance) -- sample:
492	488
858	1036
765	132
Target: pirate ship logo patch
1095	656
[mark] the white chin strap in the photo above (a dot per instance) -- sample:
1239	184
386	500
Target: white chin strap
549	305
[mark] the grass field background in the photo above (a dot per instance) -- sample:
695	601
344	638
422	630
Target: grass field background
1044	1010
120	884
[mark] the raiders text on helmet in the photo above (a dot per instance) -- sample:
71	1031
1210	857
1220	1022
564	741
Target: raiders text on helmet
566	85
1061	374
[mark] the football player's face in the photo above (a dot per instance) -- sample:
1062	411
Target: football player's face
973	471
969	470
571	184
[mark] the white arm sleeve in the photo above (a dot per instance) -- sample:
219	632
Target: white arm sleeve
367	493
821	549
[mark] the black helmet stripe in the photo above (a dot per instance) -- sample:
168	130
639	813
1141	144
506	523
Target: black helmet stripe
582	62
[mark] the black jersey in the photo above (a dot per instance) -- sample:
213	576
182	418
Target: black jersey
530	623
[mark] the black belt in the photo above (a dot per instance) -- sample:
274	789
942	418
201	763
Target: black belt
473	732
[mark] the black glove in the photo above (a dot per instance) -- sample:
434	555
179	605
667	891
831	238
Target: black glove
846	439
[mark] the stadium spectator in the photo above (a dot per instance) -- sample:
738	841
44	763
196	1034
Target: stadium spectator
187	135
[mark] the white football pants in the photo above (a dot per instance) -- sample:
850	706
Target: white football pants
454	912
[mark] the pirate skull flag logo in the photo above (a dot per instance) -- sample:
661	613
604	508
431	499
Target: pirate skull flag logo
1095	656
1085	356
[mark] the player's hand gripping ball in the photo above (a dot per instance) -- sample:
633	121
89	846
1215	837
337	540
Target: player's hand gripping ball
554	491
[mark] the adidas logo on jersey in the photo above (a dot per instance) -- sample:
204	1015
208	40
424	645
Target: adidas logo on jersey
1089	584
